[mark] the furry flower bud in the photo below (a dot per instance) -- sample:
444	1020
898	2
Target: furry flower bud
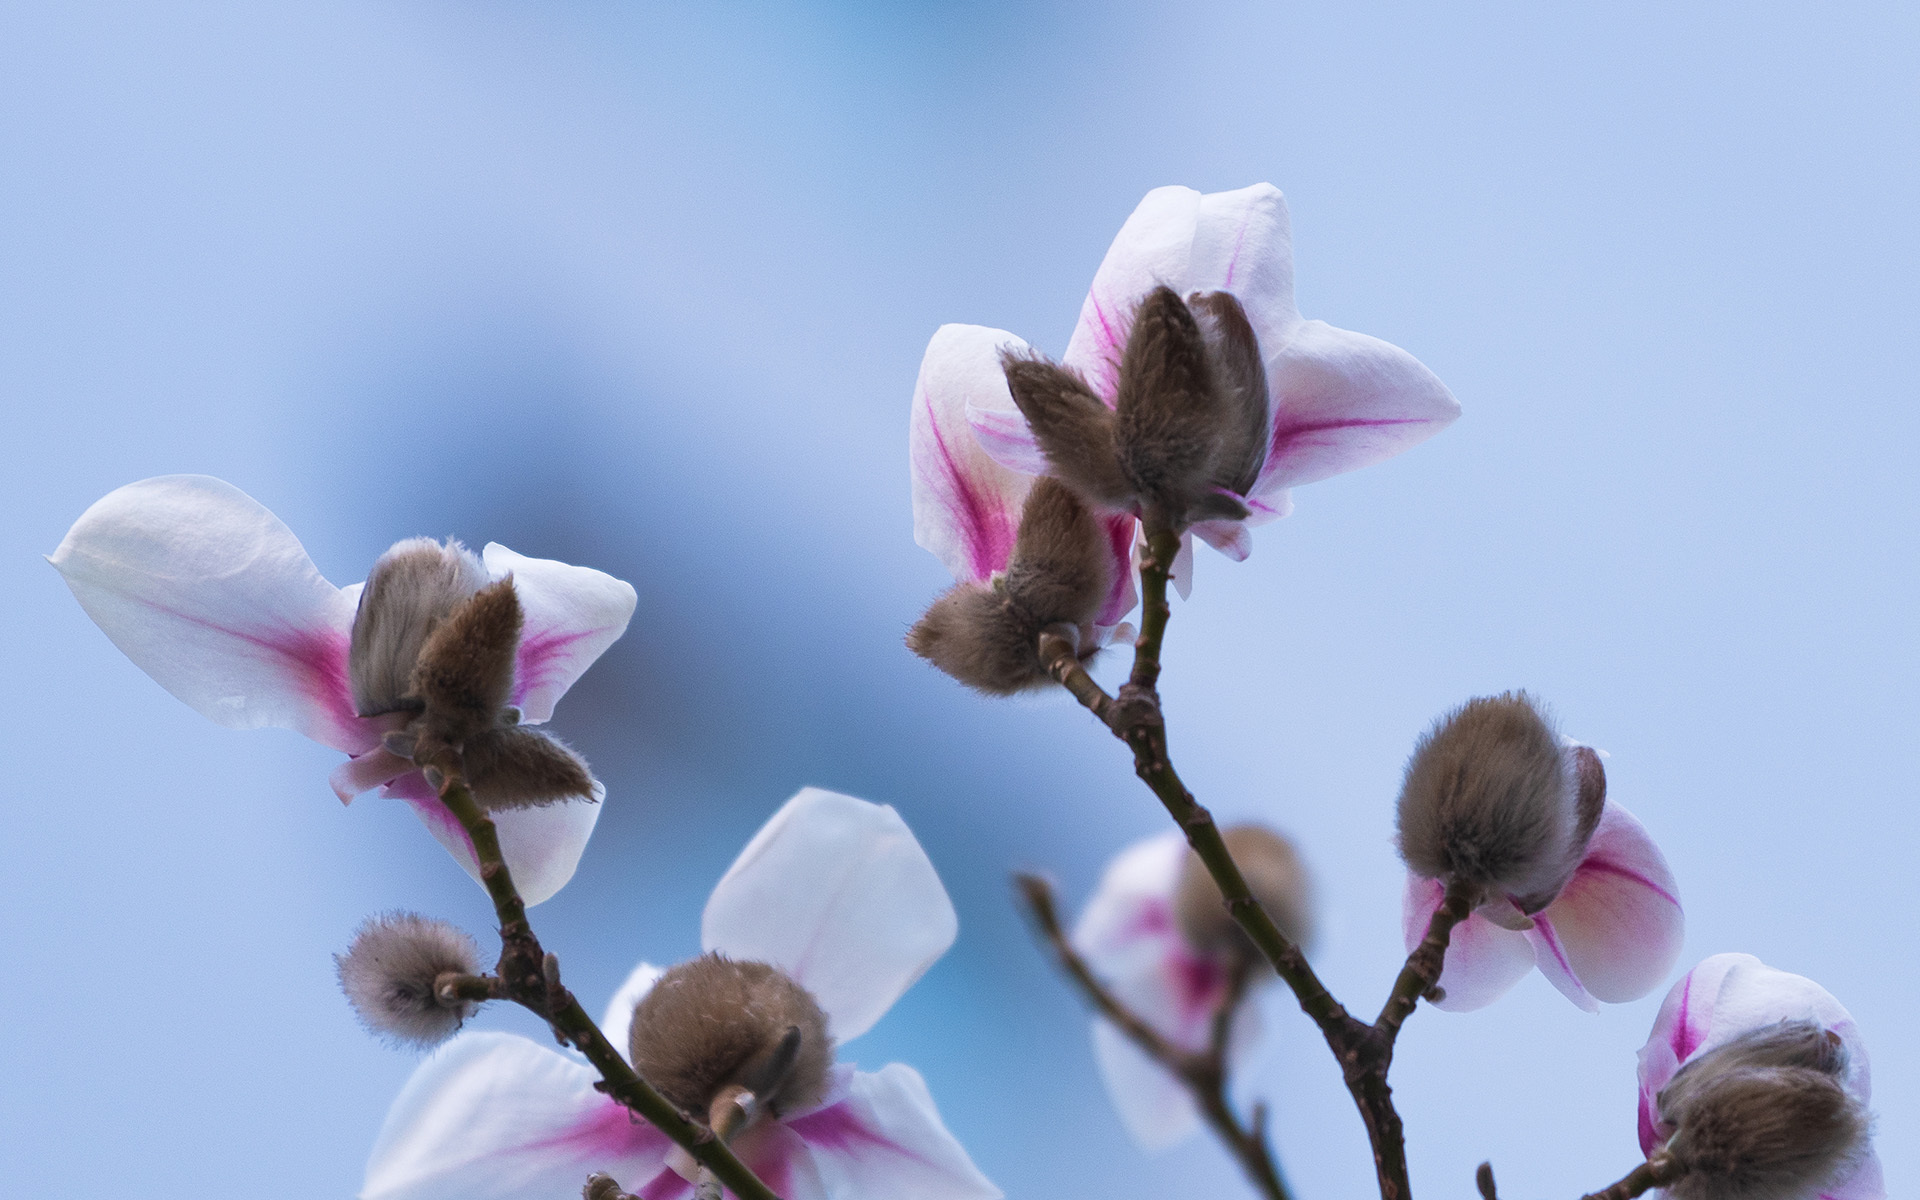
715	1022
411	589
1187	435
1763	1117
1275	876
987	635
1493	798
391	973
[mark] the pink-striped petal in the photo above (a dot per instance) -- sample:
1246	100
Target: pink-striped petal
966	506
884	1138
1550	955
1342	401
1238	241
837	893
213	596
1483	960
1008	439
541	846
1228	537
1123	595
364	772
1617	923
492	1116
572	615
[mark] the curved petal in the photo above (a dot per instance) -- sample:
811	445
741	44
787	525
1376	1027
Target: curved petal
1238	241
1156	1108
1550	955
213	596
1342	401
617	1021
1483	960
1618	920
1008	440
542	846
1228	537
1864	1182
572	615
966	506
1123	596
885	1138
494	1115
837	893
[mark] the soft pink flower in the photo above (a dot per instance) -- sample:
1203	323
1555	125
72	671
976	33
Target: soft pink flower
836	893
1338	400
1611	935
1128	936
209	593
1731	994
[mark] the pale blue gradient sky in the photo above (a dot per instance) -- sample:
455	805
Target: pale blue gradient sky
646	287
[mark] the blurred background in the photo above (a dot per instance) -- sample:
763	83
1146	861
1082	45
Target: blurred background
645	287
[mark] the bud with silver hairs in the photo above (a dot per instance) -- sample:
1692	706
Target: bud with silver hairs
396	976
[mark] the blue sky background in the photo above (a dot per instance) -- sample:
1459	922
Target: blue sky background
646	286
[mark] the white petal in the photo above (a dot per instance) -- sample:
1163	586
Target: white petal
1342	401
1483	960
1156	1108
617	1021
492	1115
966	506
572	615
885	1139
1139	881
541	846
1550	955
1865	1182
1238	241
837	893
1618	920
209	593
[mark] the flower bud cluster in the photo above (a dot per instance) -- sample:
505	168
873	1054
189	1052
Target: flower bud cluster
435	642
393	971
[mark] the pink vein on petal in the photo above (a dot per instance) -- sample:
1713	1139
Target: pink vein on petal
1239	240
1284	434
538	654
1603	867
989	534
609	1130
835	1127
667	1185
1684	1043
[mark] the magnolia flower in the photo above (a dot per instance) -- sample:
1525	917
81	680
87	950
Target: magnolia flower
1336	400
1730	995
1611	934
837	896
211	595
1137	939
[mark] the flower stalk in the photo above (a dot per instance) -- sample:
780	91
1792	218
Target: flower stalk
530	977
1658	1171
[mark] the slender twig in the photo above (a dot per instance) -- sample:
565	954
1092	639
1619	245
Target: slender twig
1421	975
604	1187
1063	663
1204	1074
1658	1171
530	977
1483	1182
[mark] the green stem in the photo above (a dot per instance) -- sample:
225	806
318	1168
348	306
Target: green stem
528	976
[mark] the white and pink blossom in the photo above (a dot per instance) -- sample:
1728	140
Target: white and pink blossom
1611	935
1128	935
1726	996
1337	400
833	891
215	598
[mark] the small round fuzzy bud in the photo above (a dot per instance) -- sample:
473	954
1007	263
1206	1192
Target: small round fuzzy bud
1492	798
713	1022
1764	1117
411	589
1274	874
391	971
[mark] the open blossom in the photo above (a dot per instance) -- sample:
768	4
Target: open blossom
1336	400
834	904
1138	940
1724	1003
215	598
1610	934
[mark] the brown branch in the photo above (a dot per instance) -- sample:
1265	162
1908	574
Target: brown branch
1658	1171
1203	1074
530	977
1483	1182
1421	976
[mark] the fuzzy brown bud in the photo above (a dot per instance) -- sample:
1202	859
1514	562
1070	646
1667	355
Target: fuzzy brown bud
464	674
1764	1117
390	975
512	766
411	589
1492	798
987	635
714	1022
1187	435
1274	874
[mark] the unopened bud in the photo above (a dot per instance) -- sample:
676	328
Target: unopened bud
1274	874
1764	1117
1493	799
517	766
987	635
464	675
391	973
411	589
714	1023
